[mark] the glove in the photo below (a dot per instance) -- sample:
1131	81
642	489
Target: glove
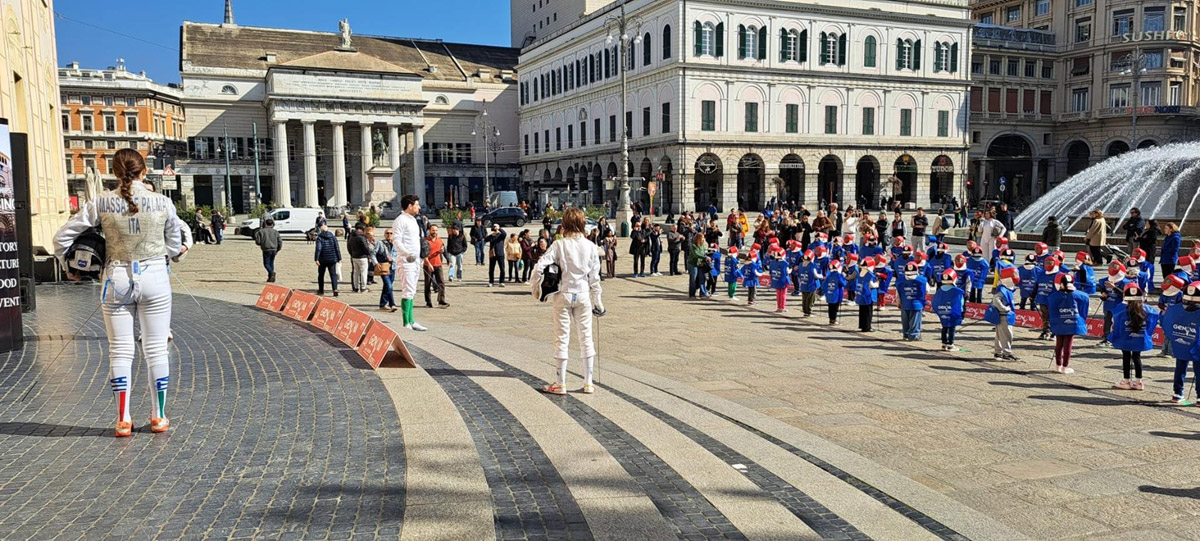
598	311
411	258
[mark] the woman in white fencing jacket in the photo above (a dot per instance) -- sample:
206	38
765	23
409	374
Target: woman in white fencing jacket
141	230
577	298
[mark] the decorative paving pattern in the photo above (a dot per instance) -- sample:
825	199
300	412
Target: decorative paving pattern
530	499
687	511
276	433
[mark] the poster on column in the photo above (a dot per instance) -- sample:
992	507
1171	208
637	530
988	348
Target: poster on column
10	288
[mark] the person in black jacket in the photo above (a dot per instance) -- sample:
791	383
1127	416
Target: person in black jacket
495	242
456	246
639	248
360	257
675	242
327	256
477	234
655	241
218	226
1134	227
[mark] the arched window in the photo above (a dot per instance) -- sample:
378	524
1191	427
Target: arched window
833	48
646	49
441	100
706	39
666	38
869	51
945	57
788	43
229	89
908	54
748	41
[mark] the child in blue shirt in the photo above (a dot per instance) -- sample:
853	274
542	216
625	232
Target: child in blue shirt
949	302
979	272
871	247
1002	313
1171	294
809	282
1181	327
732	272
939	262
781	278
851	276
963	274
883	271
912	287
1132	333
794	258
1111	290
750	273
1068	317
866	293
1045	286
835	290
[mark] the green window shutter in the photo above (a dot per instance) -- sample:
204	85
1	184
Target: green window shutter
937	56
841	59
869	52
917	55
899	54
953	58
824	54
698	31
720	40
783	47
741	42
762	43
802	52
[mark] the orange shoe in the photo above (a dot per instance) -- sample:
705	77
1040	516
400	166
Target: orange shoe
158	425
124	429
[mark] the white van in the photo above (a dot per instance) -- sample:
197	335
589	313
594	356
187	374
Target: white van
295	221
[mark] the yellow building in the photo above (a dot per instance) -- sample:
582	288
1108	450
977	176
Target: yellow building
29	99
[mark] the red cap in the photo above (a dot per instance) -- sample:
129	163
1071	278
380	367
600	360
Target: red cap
920	257
808	254
1010	273
1040	248
1082	257
868	262
1174	281
733	250
1115	268
949	275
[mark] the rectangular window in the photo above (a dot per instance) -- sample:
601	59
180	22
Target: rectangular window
1154	59
1150	93
527	144
1154	19
1047	69
1042	7
110	123
108	101
1122	22
131	102
557	138
1010	101
868	126
831	113
1079	100
943	124
708	115
993	100
583	134
1031	68
1118	95
986	19
536	146
86	122
70	166
546	137
612	128
1083	29
1047	102
976	99
596	130
629	124
1013	14
131	124
570	136
994	66
86	100
1012	67
1174	93
793	118
645	121
1029	101
66	122
1082	3
906	122
751	117
1179	22
976	68
1082	65
666	118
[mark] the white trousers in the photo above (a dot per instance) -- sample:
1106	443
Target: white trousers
358	273
573	309
141	290
408	273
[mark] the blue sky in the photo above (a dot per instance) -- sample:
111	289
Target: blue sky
96	37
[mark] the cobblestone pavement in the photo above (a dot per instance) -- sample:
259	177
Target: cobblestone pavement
275	433
780	427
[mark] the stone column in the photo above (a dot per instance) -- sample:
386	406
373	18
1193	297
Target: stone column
394	156
849	191
979	179
339	165
1035	187
310	165
367	160
418	157
283	181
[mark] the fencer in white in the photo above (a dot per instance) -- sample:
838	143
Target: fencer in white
136	280
406	237
579	293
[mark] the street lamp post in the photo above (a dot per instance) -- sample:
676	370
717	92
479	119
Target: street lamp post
491	141
618	27
1134	64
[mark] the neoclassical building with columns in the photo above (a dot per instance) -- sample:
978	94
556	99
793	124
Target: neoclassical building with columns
341	118
737	103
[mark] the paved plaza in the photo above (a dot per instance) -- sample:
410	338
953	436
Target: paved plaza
713	420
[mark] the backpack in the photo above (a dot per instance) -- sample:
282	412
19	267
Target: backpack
945	222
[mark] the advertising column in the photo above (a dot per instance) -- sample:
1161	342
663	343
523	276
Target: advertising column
10	289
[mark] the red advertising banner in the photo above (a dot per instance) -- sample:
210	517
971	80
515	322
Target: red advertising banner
328	314
351	327
272	297
382	344
300	305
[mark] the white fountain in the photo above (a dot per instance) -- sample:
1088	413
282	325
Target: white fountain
1162	182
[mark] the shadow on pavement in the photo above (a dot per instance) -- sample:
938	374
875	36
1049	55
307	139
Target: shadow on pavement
47	430
1025	385
1161	434
1193	493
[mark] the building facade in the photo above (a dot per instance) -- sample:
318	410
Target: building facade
106	110
739	103
29	100
342	118
1061	85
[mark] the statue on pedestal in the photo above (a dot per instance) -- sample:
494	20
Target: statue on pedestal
344	30
380	150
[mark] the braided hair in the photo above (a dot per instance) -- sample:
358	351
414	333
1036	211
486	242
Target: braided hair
129	166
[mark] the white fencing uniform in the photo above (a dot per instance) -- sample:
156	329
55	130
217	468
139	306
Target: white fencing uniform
578	292
406	237
136	282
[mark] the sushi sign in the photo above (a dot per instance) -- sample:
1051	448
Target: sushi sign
1161	35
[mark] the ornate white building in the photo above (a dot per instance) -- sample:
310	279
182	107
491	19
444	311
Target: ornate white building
340	117
833	98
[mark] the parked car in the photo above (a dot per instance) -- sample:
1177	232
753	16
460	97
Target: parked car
288	220
511	216
591	224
